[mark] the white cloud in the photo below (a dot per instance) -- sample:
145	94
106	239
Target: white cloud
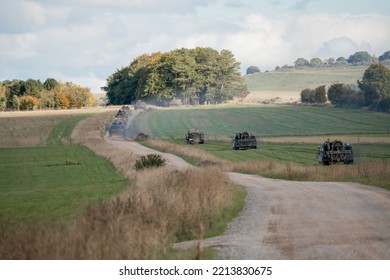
87	40
17	46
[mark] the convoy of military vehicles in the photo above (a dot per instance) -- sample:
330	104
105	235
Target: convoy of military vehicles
329	152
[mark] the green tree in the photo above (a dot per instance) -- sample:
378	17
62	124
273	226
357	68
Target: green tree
316	62
362	57
3	97
50	84
121	86
32	87
196	76
336	93
252	69
341	60
375	83
301	62
385	56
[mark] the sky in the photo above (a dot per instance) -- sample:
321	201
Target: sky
85	41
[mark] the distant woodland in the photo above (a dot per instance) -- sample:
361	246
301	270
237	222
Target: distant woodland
33	94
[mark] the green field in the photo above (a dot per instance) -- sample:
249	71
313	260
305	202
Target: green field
298	123
297	79
56	182
263	121
301	153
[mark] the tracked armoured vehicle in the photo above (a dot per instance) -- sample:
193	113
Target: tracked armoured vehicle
194	136
118	124
244	140
335	152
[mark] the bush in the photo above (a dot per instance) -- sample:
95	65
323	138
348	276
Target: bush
151	160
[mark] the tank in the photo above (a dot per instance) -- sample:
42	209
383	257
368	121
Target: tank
194	136
244	140
335	152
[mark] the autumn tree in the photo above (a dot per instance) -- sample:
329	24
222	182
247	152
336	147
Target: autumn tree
320	95
307	95
195	76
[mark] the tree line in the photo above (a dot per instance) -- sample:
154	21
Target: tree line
192	76
358	58
372	91
33	94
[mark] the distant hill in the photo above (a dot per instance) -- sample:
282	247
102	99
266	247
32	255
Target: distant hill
296	79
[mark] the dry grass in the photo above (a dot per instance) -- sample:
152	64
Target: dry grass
369	172
161	207
32	128
351	139
201	157
375	173
138	224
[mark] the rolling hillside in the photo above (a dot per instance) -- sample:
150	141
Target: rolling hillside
261	120
286	84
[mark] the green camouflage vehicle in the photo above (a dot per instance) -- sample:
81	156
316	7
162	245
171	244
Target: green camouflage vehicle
334	152
194	136
244	140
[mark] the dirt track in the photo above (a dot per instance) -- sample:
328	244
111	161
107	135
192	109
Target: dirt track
299	220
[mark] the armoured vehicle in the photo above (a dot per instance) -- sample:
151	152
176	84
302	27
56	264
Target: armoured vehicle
118	124
334	152
244	140
194	136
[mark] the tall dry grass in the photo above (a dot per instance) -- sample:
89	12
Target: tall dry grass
162	206
375	173
32	128
201	157
140	223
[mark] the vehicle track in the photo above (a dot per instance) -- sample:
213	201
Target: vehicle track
298	220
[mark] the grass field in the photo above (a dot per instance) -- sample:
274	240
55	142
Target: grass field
288	136
301	153
297	79
264	121
56	181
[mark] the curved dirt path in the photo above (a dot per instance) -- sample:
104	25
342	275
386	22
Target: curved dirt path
299	220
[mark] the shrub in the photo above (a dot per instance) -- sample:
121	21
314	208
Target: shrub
151	160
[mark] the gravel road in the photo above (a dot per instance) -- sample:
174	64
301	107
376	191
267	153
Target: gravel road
299	220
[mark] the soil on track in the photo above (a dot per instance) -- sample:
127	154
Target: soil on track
298	220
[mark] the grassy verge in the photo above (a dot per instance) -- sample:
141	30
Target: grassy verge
290	161
141	222
53	183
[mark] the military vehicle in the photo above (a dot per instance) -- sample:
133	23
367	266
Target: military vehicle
334	152
194	136
244	140
118	124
